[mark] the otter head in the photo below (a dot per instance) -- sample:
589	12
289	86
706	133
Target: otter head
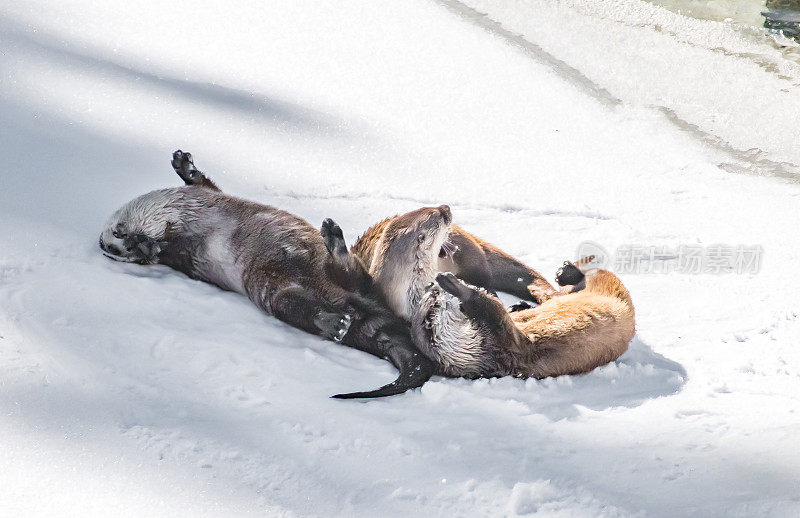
406	257
136	233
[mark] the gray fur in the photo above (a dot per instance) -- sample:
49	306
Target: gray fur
447	336
238	245
275	258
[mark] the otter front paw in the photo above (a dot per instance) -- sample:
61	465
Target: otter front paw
184	166
454	286
143	248
568	275
333	326
334	238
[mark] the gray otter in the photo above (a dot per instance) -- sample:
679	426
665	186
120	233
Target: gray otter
275	258
402	274
467	331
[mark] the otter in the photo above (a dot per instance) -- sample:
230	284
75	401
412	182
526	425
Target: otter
401	277
273	257
466	330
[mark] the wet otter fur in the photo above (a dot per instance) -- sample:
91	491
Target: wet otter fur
402	274
466	330
273	257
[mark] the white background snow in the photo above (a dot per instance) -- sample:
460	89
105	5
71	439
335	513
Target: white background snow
134	391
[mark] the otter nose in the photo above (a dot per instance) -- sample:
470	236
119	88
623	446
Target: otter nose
444	210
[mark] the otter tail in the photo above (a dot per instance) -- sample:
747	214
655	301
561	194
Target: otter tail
415	369
386	336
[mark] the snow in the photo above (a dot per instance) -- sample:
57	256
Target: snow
129	390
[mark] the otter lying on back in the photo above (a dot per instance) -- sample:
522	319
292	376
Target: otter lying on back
467	331
275	258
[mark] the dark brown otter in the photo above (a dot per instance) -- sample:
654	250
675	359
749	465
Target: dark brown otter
275	258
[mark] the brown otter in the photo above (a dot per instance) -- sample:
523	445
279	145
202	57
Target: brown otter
275	258
467	331
402	274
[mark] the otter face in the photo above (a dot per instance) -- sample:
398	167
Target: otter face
406	258
135	233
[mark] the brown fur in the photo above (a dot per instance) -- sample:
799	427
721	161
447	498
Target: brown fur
574	330
571	333
473	260
574	333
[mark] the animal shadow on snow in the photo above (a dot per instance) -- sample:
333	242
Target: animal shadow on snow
638	375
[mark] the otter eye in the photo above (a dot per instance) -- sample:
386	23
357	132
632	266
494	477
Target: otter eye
118	234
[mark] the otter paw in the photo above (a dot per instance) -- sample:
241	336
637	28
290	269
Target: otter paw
145	249
453	285
333	326
184	166
519	306
568	275
334	238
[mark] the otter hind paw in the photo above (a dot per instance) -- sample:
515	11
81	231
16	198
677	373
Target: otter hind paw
519	306
184	166
568	275
334	238
333	326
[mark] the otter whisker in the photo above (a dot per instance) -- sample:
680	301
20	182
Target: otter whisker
448	249
119	259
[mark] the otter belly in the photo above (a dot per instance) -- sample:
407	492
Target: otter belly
448	337
218	264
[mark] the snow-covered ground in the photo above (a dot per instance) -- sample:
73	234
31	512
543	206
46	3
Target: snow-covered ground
134	391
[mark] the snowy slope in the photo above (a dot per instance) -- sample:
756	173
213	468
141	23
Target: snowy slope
135	391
